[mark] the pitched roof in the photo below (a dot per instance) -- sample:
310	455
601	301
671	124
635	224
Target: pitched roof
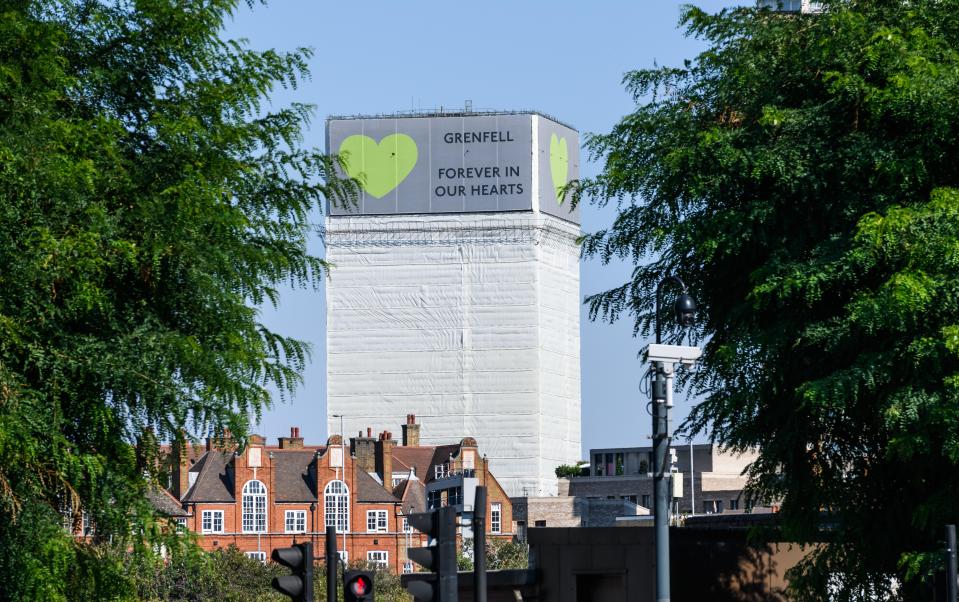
214	483
293	479
368	490
400	490
440	456
164	503
414	497
418	458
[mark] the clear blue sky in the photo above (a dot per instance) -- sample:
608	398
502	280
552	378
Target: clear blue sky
564	58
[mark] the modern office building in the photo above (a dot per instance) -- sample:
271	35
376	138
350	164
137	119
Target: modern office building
712	484
455	288
791	6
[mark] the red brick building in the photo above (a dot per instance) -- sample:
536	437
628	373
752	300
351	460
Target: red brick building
264	497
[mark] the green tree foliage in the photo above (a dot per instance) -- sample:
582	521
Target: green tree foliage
569	470
501	554
194	576
797	175
150	203
228	575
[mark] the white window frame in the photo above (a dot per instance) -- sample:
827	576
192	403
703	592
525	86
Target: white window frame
86	523
406	525
407	567
213	520
380	557
377	521
257	555
298	520
496	517
336	506
254	507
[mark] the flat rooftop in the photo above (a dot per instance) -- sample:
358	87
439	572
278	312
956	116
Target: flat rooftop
432	113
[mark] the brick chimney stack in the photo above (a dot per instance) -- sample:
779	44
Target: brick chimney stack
364	450
384	458
222	443
411	432
181	468
294	441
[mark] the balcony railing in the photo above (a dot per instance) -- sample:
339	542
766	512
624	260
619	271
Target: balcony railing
445	471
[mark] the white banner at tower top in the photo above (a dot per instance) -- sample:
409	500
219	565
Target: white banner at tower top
463	163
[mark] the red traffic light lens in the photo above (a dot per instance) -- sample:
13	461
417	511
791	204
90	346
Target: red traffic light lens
360	586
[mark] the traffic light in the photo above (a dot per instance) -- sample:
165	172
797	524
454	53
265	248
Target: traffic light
358	586
439	525
299	585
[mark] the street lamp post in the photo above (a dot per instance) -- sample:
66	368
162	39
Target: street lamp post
343	466
662	381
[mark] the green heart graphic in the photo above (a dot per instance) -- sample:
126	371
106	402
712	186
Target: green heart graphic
558	164
384	165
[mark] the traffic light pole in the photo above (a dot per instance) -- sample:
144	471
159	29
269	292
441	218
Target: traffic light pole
951	563
479	545
331	561
446	542
660	479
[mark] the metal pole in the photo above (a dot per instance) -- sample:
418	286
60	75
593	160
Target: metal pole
661	488
692	481
951	554
660	483
331	560
479	545
343	464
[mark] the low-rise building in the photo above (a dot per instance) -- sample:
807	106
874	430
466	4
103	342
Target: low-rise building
618	490
568	511
264	497
712	483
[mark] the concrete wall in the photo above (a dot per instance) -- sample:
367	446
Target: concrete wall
573	511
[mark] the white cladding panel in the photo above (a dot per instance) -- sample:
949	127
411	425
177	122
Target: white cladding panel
471	322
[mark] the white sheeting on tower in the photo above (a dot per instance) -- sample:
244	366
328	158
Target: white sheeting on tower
469	321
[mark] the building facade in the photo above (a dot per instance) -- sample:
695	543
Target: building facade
264	497
618	490
713	483
456	288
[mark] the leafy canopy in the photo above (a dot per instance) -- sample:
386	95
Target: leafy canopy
151	202
800	176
